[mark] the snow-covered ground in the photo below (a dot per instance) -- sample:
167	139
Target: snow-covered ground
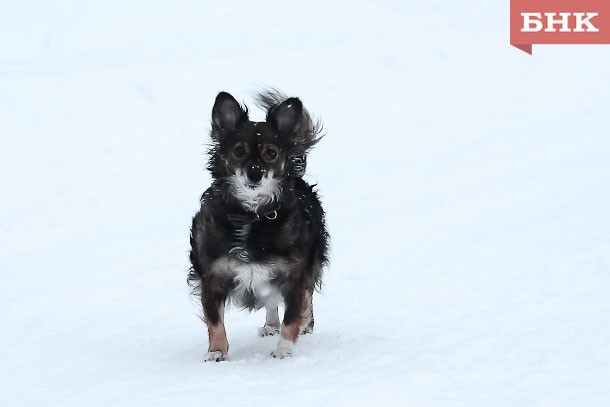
466	185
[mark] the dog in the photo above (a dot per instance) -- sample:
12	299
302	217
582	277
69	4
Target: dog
259	238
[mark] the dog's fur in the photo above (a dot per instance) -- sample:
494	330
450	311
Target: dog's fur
259	239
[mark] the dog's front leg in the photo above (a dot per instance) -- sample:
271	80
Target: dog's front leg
294	301
213	303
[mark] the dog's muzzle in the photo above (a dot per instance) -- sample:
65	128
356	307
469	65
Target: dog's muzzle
255	174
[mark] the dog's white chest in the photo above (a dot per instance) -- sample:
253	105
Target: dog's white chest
255	278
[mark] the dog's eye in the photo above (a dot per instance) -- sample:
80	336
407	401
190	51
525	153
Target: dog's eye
270	154
239	151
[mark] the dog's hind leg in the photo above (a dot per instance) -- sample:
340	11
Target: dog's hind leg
307	323
213	311
272	322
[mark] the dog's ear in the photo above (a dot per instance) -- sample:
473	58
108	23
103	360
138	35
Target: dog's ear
287	116
227	113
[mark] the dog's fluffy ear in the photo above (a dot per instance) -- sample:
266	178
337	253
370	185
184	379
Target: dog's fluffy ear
227	113
287	116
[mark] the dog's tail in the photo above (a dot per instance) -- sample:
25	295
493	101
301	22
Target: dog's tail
307	135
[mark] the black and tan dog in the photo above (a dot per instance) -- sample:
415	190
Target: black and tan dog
259	239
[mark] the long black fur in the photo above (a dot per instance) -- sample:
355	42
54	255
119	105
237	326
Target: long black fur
297	234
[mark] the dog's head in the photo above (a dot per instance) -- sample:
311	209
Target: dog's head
254	158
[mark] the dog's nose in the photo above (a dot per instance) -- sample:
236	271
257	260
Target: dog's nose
255	172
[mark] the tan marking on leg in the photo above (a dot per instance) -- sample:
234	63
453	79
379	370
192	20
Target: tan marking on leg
288	338
289	334
218	335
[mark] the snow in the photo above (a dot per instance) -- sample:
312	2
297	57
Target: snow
466	185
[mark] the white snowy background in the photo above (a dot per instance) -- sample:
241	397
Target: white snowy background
466	185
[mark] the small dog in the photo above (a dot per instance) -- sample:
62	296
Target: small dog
259	238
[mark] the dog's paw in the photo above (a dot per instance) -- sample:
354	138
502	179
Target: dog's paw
268	330
284	349
281	353
215	356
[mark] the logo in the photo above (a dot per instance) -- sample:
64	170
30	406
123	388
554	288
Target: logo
559	22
